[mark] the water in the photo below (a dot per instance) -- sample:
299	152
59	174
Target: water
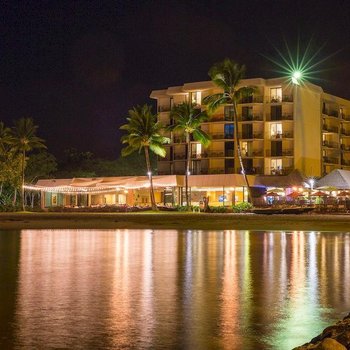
143	289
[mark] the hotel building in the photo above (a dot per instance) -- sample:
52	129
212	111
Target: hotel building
282	127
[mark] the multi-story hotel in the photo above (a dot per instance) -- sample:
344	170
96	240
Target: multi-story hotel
282	127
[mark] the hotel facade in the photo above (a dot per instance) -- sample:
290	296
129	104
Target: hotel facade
282	127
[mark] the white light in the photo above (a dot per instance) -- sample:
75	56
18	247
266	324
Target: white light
149	173
188	173
296	76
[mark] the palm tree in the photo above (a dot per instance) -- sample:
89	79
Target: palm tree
23	140
187	120
144	132
227	75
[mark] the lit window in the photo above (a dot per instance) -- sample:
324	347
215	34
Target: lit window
276	130
276	94
196	97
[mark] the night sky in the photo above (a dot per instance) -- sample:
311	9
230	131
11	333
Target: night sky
76	67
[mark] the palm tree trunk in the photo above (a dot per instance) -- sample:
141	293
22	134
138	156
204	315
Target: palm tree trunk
149	172
239	153
22	187
188	161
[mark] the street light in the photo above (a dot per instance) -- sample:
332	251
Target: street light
296	77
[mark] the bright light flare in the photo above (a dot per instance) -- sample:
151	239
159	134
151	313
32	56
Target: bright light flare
297	77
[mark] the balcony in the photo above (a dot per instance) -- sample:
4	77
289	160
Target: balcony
345	148
330	129
220	136
258	153
216	171
283	153
345	132
217	118
345	118
163	109
282	117
179	139
250	118
251	99
330	160
345	162
278	99
330	113
181	156
330	144
280	171
213	154
251	136
229	153
284	135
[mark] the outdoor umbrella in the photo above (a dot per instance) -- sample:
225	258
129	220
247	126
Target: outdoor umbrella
343	194
319	194
295	194
275	190
272	194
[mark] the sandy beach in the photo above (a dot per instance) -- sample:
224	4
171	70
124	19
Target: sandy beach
171	220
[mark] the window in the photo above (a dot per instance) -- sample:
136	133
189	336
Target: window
196	97
276	112
196	150
229	131
276	166
276	94
247	113
229	113
276	130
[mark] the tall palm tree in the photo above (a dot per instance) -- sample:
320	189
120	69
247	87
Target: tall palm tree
227	75
24	140
187	120
144	132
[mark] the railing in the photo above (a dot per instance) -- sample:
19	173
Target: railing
345	147
217	118
251	136
279	117
163	109
345	132
330	160
327	128
278	99
179	156
258	153
219	136
283	153
252	99
330	113
179	139
229	153
345	117
330	144
248	118
216	171
345	162
252	170
280	171
285	135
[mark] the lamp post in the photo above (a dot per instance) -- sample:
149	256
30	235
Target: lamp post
311	182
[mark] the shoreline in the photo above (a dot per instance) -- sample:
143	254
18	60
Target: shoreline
171	220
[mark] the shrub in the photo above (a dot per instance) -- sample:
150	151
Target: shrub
242	207
220	209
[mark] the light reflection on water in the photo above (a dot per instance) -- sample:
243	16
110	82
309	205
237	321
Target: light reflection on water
113	289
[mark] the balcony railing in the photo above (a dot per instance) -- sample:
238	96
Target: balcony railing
330	113
249	136
284	135
345	148
278	99
330	160
216	171
345	117
345	132
252	99
179	139
283	153
279	171
248	118
217	118
330	144
288	116
229	153
345	162
181	156
332	129
221	136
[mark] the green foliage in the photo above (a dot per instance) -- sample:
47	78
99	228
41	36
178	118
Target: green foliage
242	207
40	165
219	209
143	130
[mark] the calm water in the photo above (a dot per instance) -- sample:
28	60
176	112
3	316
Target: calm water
142	289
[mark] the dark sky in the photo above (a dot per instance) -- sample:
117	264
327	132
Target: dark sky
76	67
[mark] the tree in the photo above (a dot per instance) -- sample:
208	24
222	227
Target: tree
187	120
144	132
24	140
227	75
